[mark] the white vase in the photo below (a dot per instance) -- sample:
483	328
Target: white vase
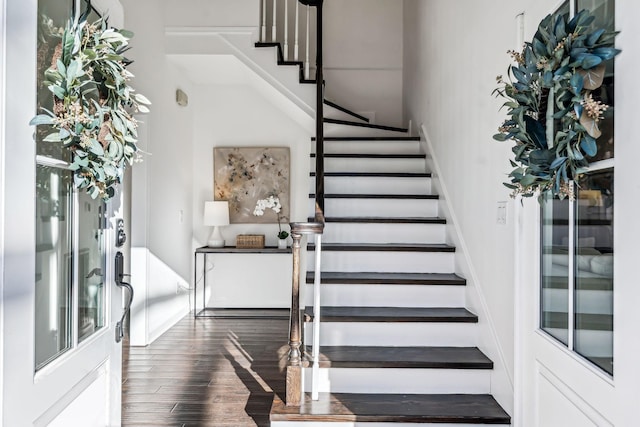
282	243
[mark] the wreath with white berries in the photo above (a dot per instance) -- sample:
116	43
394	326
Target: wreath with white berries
93	104
553	117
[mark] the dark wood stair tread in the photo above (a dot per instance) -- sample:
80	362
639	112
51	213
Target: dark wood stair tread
366	278
404	357
370	156
364	125
369	138
281	60
385	247
383	220
378	174
398	408
345	110
379	196
393	314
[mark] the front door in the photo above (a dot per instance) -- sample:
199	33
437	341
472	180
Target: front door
61	364
576	281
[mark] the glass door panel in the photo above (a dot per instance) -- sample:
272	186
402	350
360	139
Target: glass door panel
604	13
554	298
54	264
91	266
593	295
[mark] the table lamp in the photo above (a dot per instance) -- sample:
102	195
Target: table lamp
216	214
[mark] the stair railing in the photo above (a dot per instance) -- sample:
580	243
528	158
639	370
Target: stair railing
278	16
278	11
294	370
296	361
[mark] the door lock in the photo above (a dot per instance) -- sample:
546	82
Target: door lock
121	236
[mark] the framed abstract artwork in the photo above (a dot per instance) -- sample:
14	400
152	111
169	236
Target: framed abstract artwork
244	175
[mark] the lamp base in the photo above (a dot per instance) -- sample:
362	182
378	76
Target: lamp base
215	243
216	240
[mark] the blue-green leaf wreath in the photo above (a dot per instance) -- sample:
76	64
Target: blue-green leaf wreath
553	118
93	105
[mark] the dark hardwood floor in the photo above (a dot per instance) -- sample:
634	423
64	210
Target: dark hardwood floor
206	372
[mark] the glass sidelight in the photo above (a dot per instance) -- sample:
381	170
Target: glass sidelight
70	263
54	263
91	266
70	298
577	283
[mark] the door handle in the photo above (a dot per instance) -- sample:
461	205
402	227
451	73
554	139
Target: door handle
119	267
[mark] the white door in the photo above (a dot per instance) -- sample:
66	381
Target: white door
577	291
61	364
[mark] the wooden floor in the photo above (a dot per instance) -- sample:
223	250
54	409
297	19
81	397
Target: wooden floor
206	372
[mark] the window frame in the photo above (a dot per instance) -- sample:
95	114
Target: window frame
594	168
75	342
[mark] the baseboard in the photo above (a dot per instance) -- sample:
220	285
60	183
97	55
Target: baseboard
502	386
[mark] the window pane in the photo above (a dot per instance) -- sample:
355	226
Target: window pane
54	263
91	266
554	317
593	337
604	12
53	16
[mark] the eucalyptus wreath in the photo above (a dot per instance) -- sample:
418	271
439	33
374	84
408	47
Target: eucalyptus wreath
553	116
93	104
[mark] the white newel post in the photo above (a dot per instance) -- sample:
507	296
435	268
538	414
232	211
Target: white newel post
273	24
263	33
296	32
306	62
286	30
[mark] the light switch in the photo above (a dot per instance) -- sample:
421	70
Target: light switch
501	213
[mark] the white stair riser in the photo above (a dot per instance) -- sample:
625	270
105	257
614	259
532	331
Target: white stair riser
338	130
392	208
400	381
373	185
333	113
335	232
366	424
388	295
386	262
394	334
370	147
360	164
591	302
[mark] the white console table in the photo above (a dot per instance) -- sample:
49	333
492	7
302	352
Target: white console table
241	278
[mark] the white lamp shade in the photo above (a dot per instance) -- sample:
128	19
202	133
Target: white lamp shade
216	213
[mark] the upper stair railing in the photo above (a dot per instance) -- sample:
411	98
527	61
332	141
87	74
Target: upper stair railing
290	23
279	16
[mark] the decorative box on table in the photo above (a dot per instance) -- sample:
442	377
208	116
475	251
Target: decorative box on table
250	241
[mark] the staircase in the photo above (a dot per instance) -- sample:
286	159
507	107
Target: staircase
398	345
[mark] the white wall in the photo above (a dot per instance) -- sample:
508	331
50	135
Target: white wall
453	50
239	116
211	13
161	185
363	50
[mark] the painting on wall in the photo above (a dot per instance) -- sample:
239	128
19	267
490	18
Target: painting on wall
244	175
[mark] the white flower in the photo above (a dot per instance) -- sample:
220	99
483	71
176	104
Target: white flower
271	202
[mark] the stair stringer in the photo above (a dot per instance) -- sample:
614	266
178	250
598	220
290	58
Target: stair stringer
282	80
502	385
